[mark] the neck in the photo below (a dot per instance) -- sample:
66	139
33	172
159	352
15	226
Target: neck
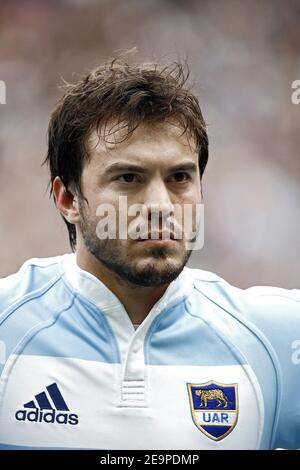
137	300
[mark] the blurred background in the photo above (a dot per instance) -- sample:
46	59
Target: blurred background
243	58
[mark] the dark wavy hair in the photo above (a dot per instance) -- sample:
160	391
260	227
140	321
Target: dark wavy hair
129	93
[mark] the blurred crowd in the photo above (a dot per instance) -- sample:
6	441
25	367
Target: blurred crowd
243	58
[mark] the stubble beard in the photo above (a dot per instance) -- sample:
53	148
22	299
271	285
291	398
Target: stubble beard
162	269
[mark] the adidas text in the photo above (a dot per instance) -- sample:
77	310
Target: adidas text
52	416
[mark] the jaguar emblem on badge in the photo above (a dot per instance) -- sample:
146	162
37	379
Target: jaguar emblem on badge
214	408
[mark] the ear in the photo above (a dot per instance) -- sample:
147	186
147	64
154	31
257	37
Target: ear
65	201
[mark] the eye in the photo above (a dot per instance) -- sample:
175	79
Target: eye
127	178
180	177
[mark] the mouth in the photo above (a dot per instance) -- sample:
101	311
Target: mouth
158	240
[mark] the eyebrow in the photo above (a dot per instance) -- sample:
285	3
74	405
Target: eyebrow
114	167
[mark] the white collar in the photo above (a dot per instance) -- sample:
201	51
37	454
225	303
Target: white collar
109	304
90	287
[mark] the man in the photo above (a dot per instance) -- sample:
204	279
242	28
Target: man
119	345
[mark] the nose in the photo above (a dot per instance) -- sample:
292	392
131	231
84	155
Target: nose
157	199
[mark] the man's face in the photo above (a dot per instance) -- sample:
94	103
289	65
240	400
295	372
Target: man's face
156	167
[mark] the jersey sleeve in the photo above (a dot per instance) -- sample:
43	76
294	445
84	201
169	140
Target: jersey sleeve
17	291
277	313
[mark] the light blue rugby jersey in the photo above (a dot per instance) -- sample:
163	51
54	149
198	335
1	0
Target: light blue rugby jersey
211	367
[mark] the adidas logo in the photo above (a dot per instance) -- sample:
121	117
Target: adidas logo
48	408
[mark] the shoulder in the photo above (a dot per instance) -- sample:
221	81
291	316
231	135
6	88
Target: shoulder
272	314
32	276
263	305
29	301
